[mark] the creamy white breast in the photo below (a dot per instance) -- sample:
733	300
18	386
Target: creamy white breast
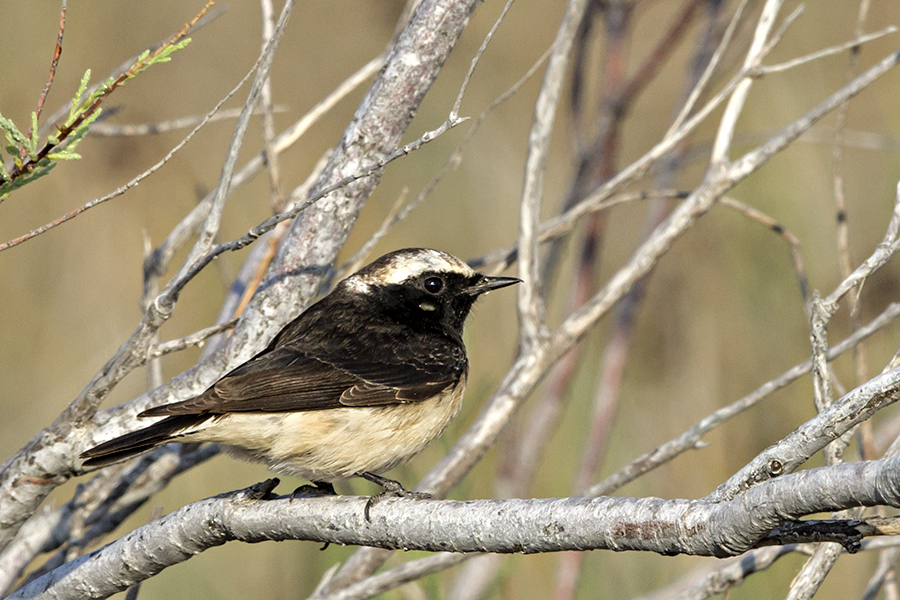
328	445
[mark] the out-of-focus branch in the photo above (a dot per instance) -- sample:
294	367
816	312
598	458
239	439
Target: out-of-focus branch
693	437
532	315
736	102
276	190
57	52
792	451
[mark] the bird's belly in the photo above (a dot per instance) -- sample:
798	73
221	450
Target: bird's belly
333	444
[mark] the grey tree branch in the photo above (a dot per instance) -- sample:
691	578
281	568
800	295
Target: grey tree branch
541	525
532	315
795	449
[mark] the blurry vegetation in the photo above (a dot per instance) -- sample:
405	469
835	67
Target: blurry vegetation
32	159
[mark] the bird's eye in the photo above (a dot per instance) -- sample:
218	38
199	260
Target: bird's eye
433	285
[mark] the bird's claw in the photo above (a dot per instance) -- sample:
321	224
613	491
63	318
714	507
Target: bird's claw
392	489
263	489
318	488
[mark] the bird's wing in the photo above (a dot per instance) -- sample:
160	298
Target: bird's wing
412	376
286	380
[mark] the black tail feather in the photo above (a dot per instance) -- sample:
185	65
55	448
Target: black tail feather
139	441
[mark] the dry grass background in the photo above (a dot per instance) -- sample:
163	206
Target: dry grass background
722	315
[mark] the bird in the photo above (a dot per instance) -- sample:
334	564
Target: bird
357	384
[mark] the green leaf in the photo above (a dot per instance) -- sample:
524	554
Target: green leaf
164	55
81	131
34	130
65	155
42	168
76	101
13	135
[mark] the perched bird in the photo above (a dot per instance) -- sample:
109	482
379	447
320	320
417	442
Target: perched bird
359	383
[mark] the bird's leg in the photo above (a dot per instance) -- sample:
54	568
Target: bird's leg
391	489
318	488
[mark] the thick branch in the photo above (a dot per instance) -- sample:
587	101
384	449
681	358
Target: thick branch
521	526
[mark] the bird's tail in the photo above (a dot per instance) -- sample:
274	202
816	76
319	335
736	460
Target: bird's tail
133	443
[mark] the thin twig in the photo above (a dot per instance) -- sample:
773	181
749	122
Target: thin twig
104	129
692	438
57	52
68	128
276	189
830	51
195	339
121	190
454	112
790	238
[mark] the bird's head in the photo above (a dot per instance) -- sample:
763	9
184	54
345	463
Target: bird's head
423	287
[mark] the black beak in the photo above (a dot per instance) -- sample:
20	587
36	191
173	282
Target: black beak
486	284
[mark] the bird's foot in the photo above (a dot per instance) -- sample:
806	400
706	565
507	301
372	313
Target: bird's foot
263	489
392	489
318	488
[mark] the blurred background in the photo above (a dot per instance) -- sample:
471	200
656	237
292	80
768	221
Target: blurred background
722	313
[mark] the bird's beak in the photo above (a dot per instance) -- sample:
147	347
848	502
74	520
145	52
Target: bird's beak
486	284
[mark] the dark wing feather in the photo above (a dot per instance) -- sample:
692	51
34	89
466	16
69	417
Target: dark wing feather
310	384
136	442
421	370
303	384
319	362
370	394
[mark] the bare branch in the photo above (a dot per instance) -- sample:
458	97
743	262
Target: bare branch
195	339
830	51
692	438
666	526
532	317
57	52
736	103
795	449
